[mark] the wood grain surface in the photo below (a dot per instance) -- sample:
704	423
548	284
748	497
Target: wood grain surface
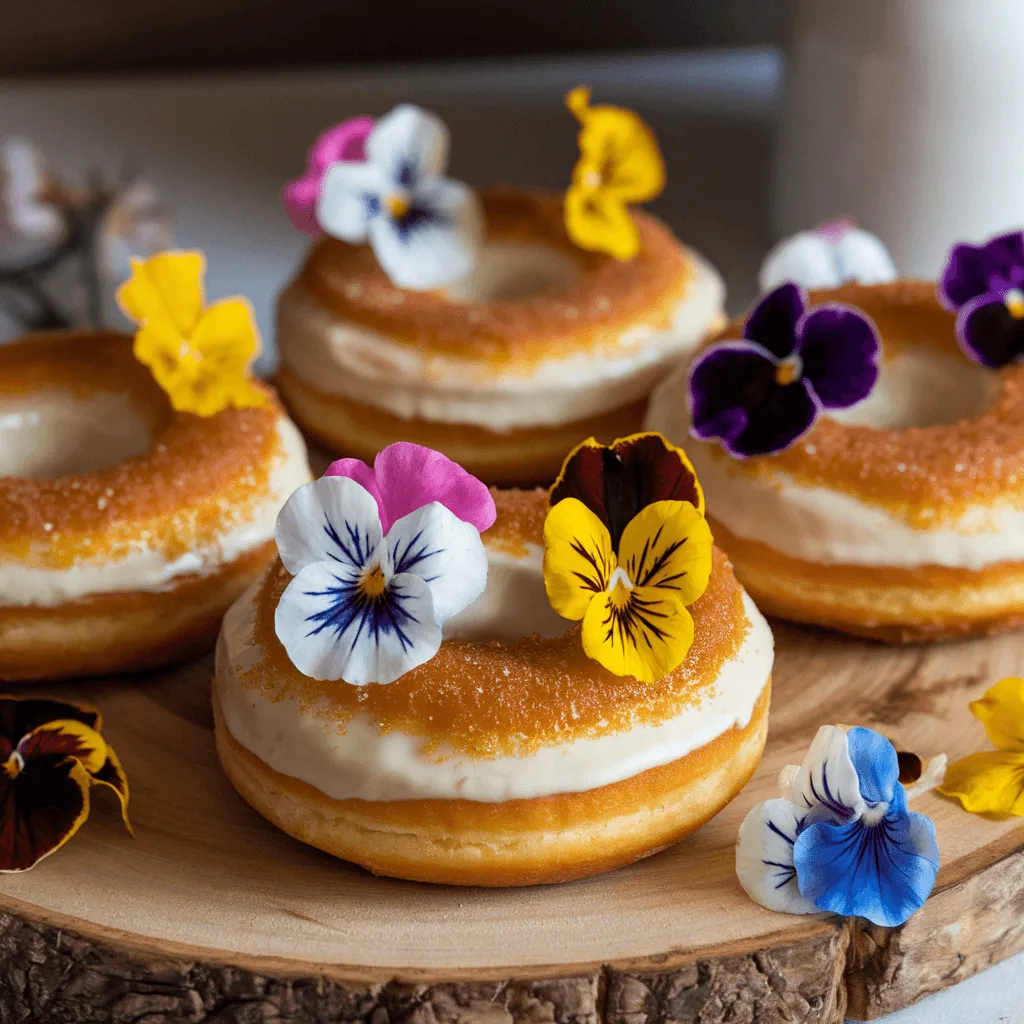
211	914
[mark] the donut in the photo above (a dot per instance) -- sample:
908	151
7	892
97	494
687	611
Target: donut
509	758
127	528
542	345
900	519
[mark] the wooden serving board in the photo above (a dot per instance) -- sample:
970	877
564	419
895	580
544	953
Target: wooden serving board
211	914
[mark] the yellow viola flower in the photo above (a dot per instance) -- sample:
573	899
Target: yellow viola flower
992	782
632	602
200	355
619	164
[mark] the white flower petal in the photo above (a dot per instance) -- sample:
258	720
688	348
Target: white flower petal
764	857
331	631
438	547
332	519
408	146
932	776
136	224
806	259
23	179
861	257
827	778
435	246
350	196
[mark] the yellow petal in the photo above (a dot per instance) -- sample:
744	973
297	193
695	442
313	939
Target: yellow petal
578	558
1001	711
165	287
599	222
667	546
226	336
643	632
112	776
988	783
65	737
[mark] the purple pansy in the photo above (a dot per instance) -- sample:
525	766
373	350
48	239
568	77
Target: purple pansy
760	394
340	143
984	286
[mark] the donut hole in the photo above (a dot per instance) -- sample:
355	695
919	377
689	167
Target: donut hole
922	387
513	271
54	434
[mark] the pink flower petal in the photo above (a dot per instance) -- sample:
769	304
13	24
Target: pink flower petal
407	476
341	142
833	230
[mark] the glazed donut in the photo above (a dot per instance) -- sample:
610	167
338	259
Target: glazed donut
127	528
543	345
900	519
509	758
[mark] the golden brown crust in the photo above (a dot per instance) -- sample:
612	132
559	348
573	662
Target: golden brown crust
609	296
924	474
517	842
515	458
199	477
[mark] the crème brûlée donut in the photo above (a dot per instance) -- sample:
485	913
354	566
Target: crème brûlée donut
543	345
509	758
127	528
899	519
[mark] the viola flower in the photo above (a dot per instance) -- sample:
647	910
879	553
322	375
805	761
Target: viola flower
834	253
425	229
992	782
984	286
33	201
51	755
366	604
841	838
619	165
198	354
338	144
761	394
626	549
407	476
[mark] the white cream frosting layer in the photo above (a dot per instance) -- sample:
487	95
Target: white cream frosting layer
362	365
362	762
816	524
147	568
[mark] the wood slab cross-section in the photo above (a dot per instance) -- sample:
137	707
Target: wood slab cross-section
211	915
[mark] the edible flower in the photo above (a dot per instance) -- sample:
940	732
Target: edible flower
198	354
425	229
984	286
761	394
33	200
338	144
840	838
992	781
626	549
619	165
51	755
367	602
834	253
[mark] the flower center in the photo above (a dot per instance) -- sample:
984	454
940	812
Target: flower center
374	582
789	371
189	357
1014	300
398	206
619	586
873	815
592	179
14	765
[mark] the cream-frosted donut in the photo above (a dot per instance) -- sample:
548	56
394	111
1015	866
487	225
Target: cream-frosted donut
127	528
543	345
509	758
901	518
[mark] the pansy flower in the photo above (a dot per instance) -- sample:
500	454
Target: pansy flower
833	254
992	781
760	394
984	286
840	838
339	143
619	165
51	755
626	549
425	229
200	355
381	559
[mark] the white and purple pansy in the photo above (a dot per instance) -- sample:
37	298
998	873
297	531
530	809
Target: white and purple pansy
841	838
833	254
762	393
425	229
371	591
